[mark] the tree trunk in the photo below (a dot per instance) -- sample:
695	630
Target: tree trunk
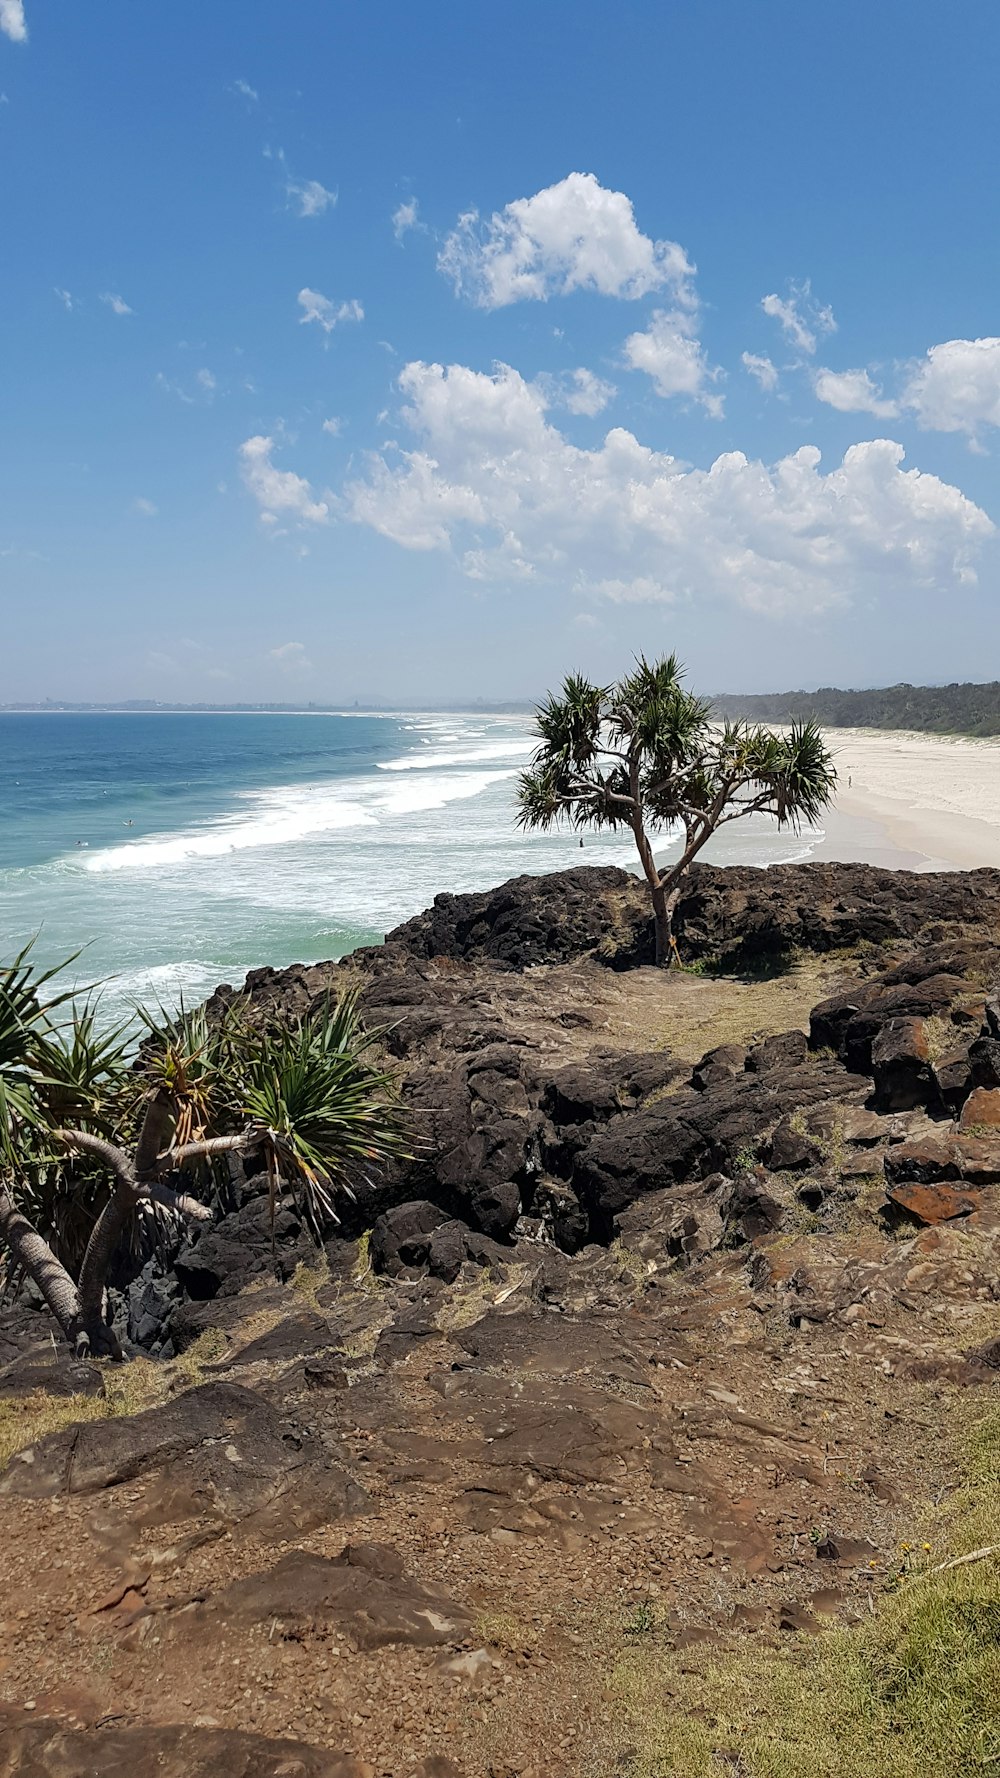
663	921
29	1251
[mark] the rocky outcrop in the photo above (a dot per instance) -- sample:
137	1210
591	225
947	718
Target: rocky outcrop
742	911
514	1142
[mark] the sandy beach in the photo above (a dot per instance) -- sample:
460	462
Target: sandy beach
913	802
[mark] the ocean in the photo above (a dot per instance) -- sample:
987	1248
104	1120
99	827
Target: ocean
178	851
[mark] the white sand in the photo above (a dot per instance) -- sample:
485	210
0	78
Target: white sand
916	802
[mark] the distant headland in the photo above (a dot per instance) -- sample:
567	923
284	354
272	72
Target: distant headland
957	709
926	709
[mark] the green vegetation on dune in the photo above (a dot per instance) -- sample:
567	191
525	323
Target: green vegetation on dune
912	1693
931	709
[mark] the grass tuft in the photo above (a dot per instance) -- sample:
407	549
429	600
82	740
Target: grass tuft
912	1694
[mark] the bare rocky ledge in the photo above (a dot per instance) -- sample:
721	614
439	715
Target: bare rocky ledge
647	1322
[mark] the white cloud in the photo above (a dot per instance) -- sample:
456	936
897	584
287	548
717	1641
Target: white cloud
575	235
801	317
12	22
853	392
319	308
761	367
671	353
116	303
66	297
291	657
587	393
145	507
405	217
307	197
579	391
492	480
248	92
278	490
334	426
956	386
201	389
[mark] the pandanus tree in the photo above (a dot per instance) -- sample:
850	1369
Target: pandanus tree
644	754
132	1139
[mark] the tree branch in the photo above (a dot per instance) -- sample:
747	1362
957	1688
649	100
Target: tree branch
202	1151
179	1202
114	1158
34	1255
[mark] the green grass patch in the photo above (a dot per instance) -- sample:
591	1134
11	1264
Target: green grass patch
128	1389
913	1693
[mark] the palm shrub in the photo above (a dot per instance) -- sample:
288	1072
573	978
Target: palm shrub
644	754
311	1099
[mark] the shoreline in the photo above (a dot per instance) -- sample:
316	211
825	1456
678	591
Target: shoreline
914	802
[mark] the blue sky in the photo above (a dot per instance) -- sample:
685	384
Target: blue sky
410	352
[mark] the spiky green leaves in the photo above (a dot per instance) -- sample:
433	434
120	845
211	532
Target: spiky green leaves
644	753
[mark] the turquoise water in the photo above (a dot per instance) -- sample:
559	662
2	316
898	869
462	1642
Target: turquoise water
183	850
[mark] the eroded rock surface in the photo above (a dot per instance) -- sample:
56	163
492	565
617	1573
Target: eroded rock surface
658	1329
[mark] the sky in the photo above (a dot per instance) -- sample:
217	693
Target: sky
411	353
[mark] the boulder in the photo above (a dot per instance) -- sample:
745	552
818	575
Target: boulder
40	1747
220	1260
529	920
954	1078
984	1061
788	1049
561	1214
931	1204
365	1592
480	1133
790	1149
54	1371
723	1063
401	1239
953	1155
849	1022
901	1066
219	1451
981	1110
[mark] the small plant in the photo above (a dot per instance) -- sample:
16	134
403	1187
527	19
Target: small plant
641	1621
311	1099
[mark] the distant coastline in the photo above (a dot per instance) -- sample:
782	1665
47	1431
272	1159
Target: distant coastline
150	706
957	709
965	709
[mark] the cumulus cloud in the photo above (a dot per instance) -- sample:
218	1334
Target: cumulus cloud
405	217
116	303
493	481
12	20
802	319
579	391
66	297
853	392
329	315
278	490
956	387
307	197
671	353
334	426
146	507
575	235
762	369
291	657
246	90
